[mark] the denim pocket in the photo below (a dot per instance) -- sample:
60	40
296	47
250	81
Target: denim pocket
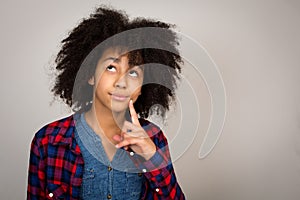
87	182
94	183
134	185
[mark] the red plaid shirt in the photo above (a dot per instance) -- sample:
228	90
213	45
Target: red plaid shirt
56	164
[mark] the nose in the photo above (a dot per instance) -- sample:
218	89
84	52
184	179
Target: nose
121	82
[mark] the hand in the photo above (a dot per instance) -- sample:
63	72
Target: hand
134	136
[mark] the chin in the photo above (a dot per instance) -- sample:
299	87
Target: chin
119	108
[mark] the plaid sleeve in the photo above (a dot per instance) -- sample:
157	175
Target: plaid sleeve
161	181
36	173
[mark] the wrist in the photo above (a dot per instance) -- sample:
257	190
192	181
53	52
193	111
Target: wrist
148	156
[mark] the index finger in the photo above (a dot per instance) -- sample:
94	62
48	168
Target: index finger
134	116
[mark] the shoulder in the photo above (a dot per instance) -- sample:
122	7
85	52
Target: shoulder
151	128
154	132
56	130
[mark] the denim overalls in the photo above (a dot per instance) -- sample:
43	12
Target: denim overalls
103	179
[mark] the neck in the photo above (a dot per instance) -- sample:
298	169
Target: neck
105	122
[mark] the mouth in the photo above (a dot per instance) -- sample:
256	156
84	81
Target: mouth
119	97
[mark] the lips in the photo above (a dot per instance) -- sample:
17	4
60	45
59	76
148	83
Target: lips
119	97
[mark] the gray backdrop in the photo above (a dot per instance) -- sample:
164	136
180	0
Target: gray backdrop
256	46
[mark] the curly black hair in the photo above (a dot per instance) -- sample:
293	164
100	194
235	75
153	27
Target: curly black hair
76	61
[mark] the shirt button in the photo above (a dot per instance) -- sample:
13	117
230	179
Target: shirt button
109	196
50	194
157	189
109	168
131	153
144	170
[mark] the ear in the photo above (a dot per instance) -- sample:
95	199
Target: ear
91	81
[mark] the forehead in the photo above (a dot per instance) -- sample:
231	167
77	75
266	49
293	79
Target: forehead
114	54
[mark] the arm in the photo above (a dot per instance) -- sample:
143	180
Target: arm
153	158
36	173
161	179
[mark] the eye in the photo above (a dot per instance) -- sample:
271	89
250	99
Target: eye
133	73
111	68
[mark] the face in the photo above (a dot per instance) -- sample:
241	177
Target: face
115	82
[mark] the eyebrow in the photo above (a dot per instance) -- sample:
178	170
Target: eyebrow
113	59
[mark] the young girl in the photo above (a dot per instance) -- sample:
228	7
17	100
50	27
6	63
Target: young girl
107	149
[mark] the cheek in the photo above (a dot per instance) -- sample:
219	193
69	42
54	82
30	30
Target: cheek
104	81
101	87
136	93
